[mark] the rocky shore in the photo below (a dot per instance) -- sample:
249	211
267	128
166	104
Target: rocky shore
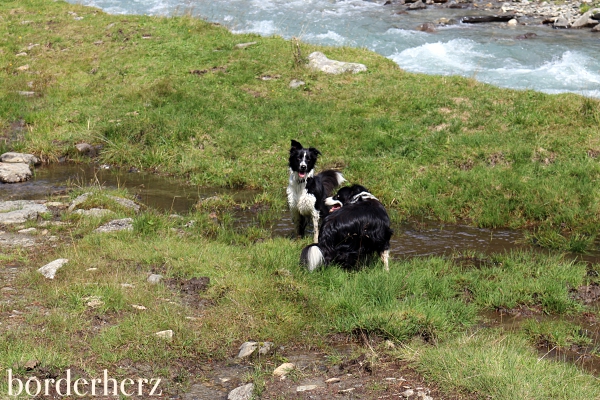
567	15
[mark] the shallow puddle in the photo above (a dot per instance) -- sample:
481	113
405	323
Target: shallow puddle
585	357
156	191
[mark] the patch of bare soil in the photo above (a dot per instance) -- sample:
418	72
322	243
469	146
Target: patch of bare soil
348	369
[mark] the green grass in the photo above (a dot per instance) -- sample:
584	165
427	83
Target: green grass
446	148
442	147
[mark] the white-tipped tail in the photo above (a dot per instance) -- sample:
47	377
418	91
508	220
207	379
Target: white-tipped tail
340	178
314	258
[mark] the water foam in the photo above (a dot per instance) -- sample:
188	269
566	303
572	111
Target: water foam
455	57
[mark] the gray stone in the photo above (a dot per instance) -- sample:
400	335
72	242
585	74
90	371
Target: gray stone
283	369
27	231
130	204
247	349
265	348
561	22
242	392
295	83
94	212
19	211
244	45
167	335
319	62
154	279
12	157
86	149
585	20
125	224
49	270
306	388
201	392
14	172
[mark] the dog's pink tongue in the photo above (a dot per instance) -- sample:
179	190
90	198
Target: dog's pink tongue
301	174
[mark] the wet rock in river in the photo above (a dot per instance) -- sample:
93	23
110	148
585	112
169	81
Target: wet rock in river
14	172
12	157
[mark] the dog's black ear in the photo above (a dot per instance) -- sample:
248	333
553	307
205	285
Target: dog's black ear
315	151
296	145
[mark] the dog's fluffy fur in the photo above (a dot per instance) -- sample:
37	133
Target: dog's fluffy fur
357	228
306	192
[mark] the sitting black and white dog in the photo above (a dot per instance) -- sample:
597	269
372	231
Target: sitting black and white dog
357	227
306	192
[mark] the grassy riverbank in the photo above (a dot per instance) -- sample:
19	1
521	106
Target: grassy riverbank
176	96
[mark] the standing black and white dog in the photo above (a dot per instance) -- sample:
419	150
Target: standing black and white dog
357	228
306	192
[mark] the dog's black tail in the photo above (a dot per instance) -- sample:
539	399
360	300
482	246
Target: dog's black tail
331	179
312	257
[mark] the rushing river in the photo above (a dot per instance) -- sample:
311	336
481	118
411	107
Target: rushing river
555	61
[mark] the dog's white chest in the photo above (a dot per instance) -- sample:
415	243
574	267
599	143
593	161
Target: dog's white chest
306	203
300	199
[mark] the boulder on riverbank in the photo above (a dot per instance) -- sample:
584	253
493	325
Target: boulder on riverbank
20	211
319	62
14	172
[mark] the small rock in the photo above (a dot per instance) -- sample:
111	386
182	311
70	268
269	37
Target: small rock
28	230
49	270
168	334
23	67
265	348
244	45
346	390
31	364
138	307
512	22
283	369
130	204
247	349
306	388
94	302
12	157
407	393
26	93
94	212
154	278
125	224
86	149
296	83
333	380
318	61
242	392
